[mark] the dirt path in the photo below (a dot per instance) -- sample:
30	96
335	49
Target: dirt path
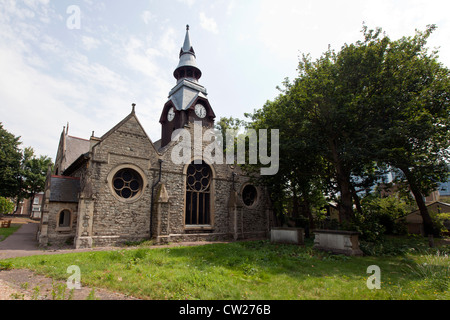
25	285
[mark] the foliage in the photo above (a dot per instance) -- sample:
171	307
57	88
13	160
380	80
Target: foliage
441	220
10	157
350	115
33	174
22	173
414	131
6	206
388	212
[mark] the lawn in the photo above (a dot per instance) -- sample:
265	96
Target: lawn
6	232
257	270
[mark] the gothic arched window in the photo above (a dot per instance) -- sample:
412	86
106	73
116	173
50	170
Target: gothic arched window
198	194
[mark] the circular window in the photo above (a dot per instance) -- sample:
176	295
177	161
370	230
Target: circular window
127	183
249	195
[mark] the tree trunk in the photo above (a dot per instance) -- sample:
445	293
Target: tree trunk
343	181
427	222
306	212
295	204
357	201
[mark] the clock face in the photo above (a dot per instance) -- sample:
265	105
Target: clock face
200	111
171	114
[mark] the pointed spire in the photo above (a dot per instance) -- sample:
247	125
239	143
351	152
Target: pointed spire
187	68
187	48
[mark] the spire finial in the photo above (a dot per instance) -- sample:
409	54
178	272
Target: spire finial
187	27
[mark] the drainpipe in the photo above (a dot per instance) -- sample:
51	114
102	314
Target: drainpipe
153	190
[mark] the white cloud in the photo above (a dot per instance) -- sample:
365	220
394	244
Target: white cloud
190	3
147	16
33	104
209	24
90	43
168	44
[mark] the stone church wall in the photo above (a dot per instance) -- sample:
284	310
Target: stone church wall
56	234
115	219
106	219
252	221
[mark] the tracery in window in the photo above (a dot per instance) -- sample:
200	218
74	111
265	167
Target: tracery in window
198	194
127	183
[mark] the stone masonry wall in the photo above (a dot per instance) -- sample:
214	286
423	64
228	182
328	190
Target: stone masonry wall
115	219
105	219
56	235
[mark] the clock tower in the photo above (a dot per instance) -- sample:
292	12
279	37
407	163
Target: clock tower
188	101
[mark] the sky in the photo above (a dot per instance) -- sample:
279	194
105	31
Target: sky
84	62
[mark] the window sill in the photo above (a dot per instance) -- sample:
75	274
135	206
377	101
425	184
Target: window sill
198	227
63	229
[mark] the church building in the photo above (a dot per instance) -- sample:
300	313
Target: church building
122	187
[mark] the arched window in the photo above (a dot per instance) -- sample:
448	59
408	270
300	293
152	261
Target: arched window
249	195
198	194
64	219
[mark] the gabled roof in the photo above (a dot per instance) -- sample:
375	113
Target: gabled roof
121	123
416	217
74	148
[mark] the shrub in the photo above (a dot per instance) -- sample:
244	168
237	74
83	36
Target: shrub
6	206
382	216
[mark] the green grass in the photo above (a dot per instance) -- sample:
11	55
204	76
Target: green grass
6	232
255	270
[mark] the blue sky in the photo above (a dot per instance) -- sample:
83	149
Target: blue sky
125	52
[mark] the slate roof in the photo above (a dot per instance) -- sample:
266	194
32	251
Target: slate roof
185	93
64	189
74	148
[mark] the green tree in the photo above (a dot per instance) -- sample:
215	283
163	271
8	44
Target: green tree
297	188
35	174
32	175
376	103
234	125
413	116
10	157
332	94
22	174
